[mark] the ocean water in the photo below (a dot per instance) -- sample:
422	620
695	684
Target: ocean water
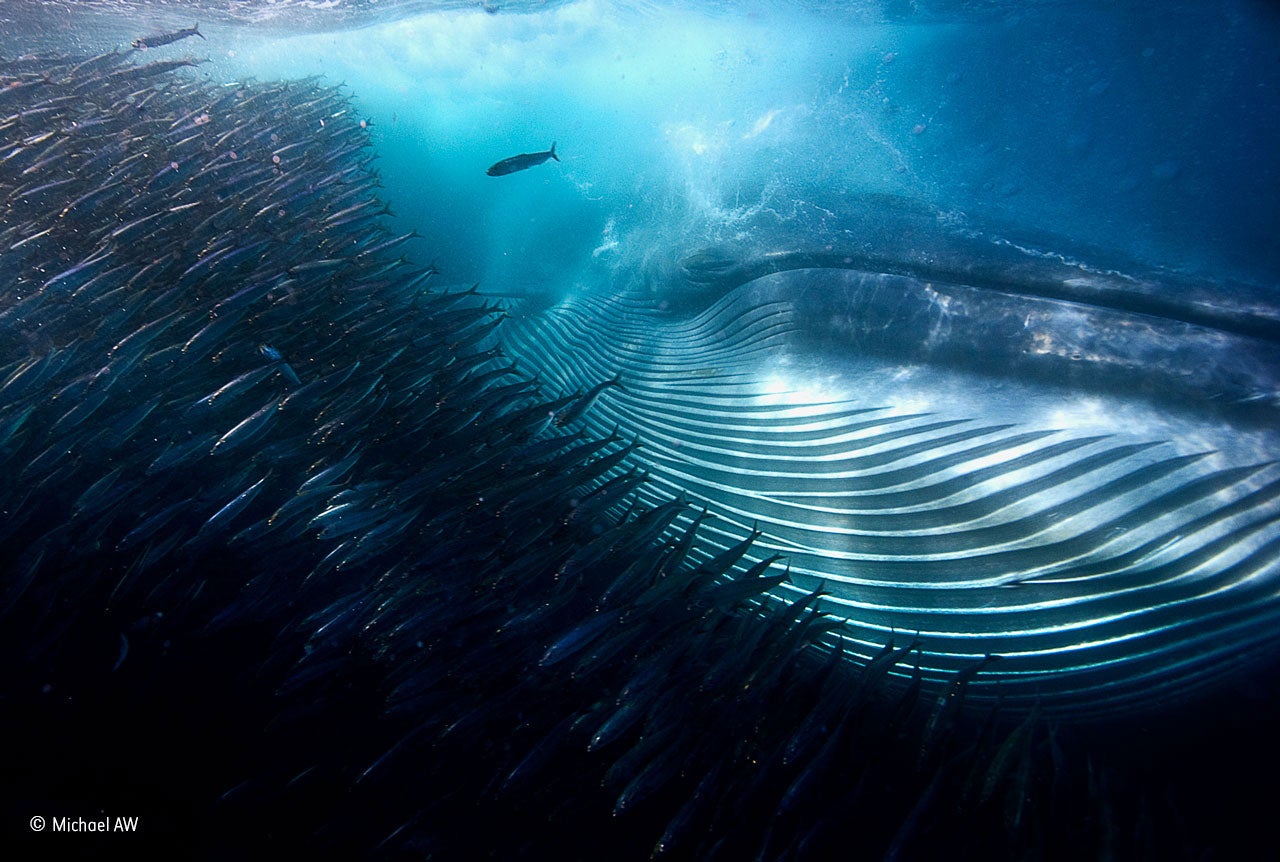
960	320
1144	133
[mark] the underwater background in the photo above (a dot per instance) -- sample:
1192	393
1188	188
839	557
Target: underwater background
1143	132
328	529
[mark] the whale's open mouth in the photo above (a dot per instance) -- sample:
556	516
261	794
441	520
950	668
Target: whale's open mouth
1016	457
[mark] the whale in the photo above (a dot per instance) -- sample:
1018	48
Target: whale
996	448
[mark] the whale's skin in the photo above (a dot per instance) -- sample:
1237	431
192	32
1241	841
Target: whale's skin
1010	455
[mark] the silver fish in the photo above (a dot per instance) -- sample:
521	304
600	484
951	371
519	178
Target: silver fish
155	40
522	162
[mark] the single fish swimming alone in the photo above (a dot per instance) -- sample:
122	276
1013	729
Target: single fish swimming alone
155	40
522	162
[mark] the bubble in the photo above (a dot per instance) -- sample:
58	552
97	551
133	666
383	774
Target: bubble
275	159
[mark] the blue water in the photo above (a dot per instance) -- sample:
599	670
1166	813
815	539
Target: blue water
1148	132
1121	134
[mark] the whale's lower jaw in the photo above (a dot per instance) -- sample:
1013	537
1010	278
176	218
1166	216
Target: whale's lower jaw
1107	549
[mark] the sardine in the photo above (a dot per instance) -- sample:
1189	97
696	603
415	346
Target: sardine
155	40
522	162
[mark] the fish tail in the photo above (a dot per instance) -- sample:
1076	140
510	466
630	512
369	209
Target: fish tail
553	151
196	30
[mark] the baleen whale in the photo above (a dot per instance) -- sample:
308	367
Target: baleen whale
997	450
